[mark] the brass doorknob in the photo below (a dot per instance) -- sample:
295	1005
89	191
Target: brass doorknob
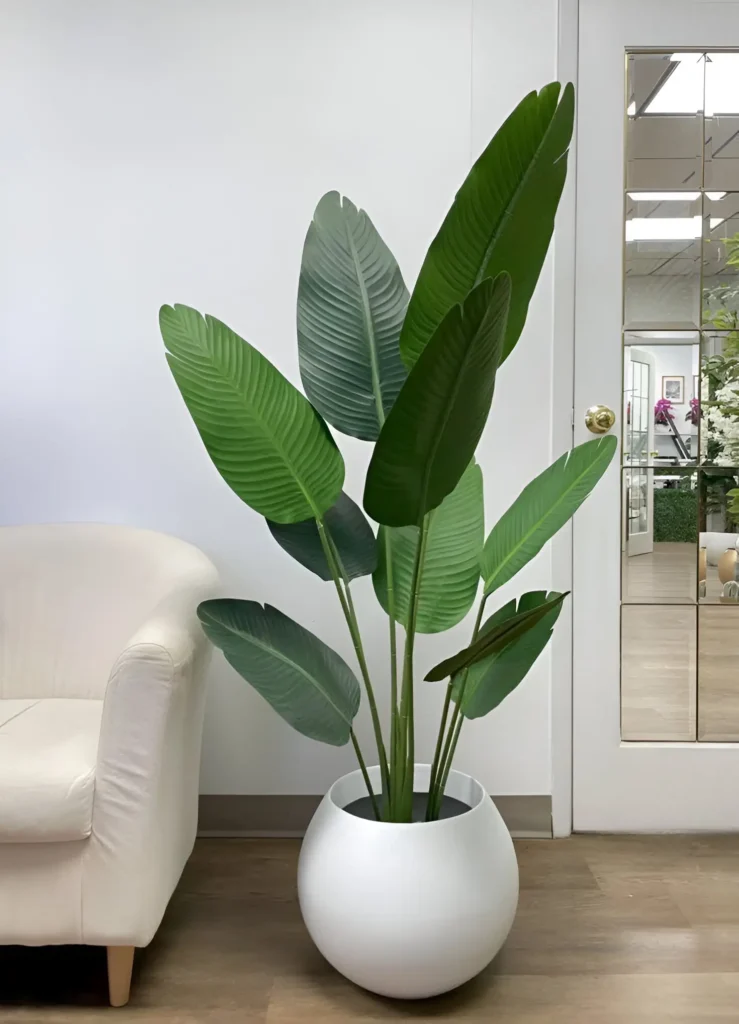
599	419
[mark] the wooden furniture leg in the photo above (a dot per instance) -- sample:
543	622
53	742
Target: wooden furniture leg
120	965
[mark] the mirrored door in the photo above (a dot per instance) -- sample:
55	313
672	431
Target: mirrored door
656	689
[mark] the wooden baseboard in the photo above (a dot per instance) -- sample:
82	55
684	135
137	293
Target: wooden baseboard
231	815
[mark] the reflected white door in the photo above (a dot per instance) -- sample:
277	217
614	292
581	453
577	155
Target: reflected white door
638	443
656	655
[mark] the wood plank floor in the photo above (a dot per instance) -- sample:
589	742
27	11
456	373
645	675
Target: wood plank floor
610	930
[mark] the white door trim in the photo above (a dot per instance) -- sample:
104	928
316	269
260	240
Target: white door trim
563	392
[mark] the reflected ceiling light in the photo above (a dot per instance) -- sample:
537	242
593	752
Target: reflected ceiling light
672	197
682	92
667	229
631	109
663	229
722	84
664	197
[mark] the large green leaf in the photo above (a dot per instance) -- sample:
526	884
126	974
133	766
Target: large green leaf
350	532
488	682
496	638
451	568
306	682
430	436
542	508
266	440
351	304
501	219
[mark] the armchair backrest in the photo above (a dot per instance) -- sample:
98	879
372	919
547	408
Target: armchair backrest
71	597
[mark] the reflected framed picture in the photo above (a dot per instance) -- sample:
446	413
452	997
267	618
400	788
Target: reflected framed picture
673	388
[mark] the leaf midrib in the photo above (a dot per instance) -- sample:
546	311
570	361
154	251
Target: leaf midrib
251	639
369	327
497	230
251	414
449	405
537	525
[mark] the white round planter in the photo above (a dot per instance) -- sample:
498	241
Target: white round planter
408	911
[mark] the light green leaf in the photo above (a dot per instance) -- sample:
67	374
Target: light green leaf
489	681
542	508
348	529
430	436
451	569
351	304
502	219
264	437
306	682
496	638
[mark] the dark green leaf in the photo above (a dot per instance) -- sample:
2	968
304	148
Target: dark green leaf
430	436
497	637
266	440
306	682
489	681
349	530
451	569
501	219
542	508
351	304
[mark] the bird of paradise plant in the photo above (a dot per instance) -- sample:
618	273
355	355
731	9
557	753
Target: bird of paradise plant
415	376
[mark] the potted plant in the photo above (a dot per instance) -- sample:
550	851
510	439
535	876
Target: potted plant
407	880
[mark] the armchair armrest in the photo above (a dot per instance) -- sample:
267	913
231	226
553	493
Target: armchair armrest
146	786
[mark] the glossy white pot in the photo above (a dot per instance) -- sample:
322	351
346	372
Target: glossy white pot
411	910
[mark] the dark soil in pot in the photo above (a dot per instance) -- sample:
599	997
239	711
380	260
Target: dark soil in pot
450	807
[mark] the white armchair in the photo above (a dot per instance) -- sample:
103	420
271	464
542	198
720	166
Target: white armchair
102	691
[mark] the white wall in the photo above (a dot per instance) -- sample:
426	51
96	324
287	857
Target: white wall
174	151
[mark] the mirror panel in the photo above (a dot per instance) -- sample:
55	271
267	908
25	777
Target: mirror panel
659	554
721	261
719	536
658	672
718	657
661	388
721	155
664	136
719	399
662	261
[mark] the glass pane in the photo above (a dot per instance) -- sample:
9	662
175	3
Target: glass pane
721	166
662	263
719	401
718	679
659	551
664	124
721	260
719	535
658	672
660	415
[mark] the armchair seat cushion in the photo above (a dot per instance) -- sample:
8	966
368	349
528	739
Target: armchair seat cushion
48	751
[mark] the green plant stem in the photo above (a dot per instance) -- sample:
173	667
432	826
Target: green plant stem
407	724
365	774
393	668
347	606
439	746
437	794
445	753
456	730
